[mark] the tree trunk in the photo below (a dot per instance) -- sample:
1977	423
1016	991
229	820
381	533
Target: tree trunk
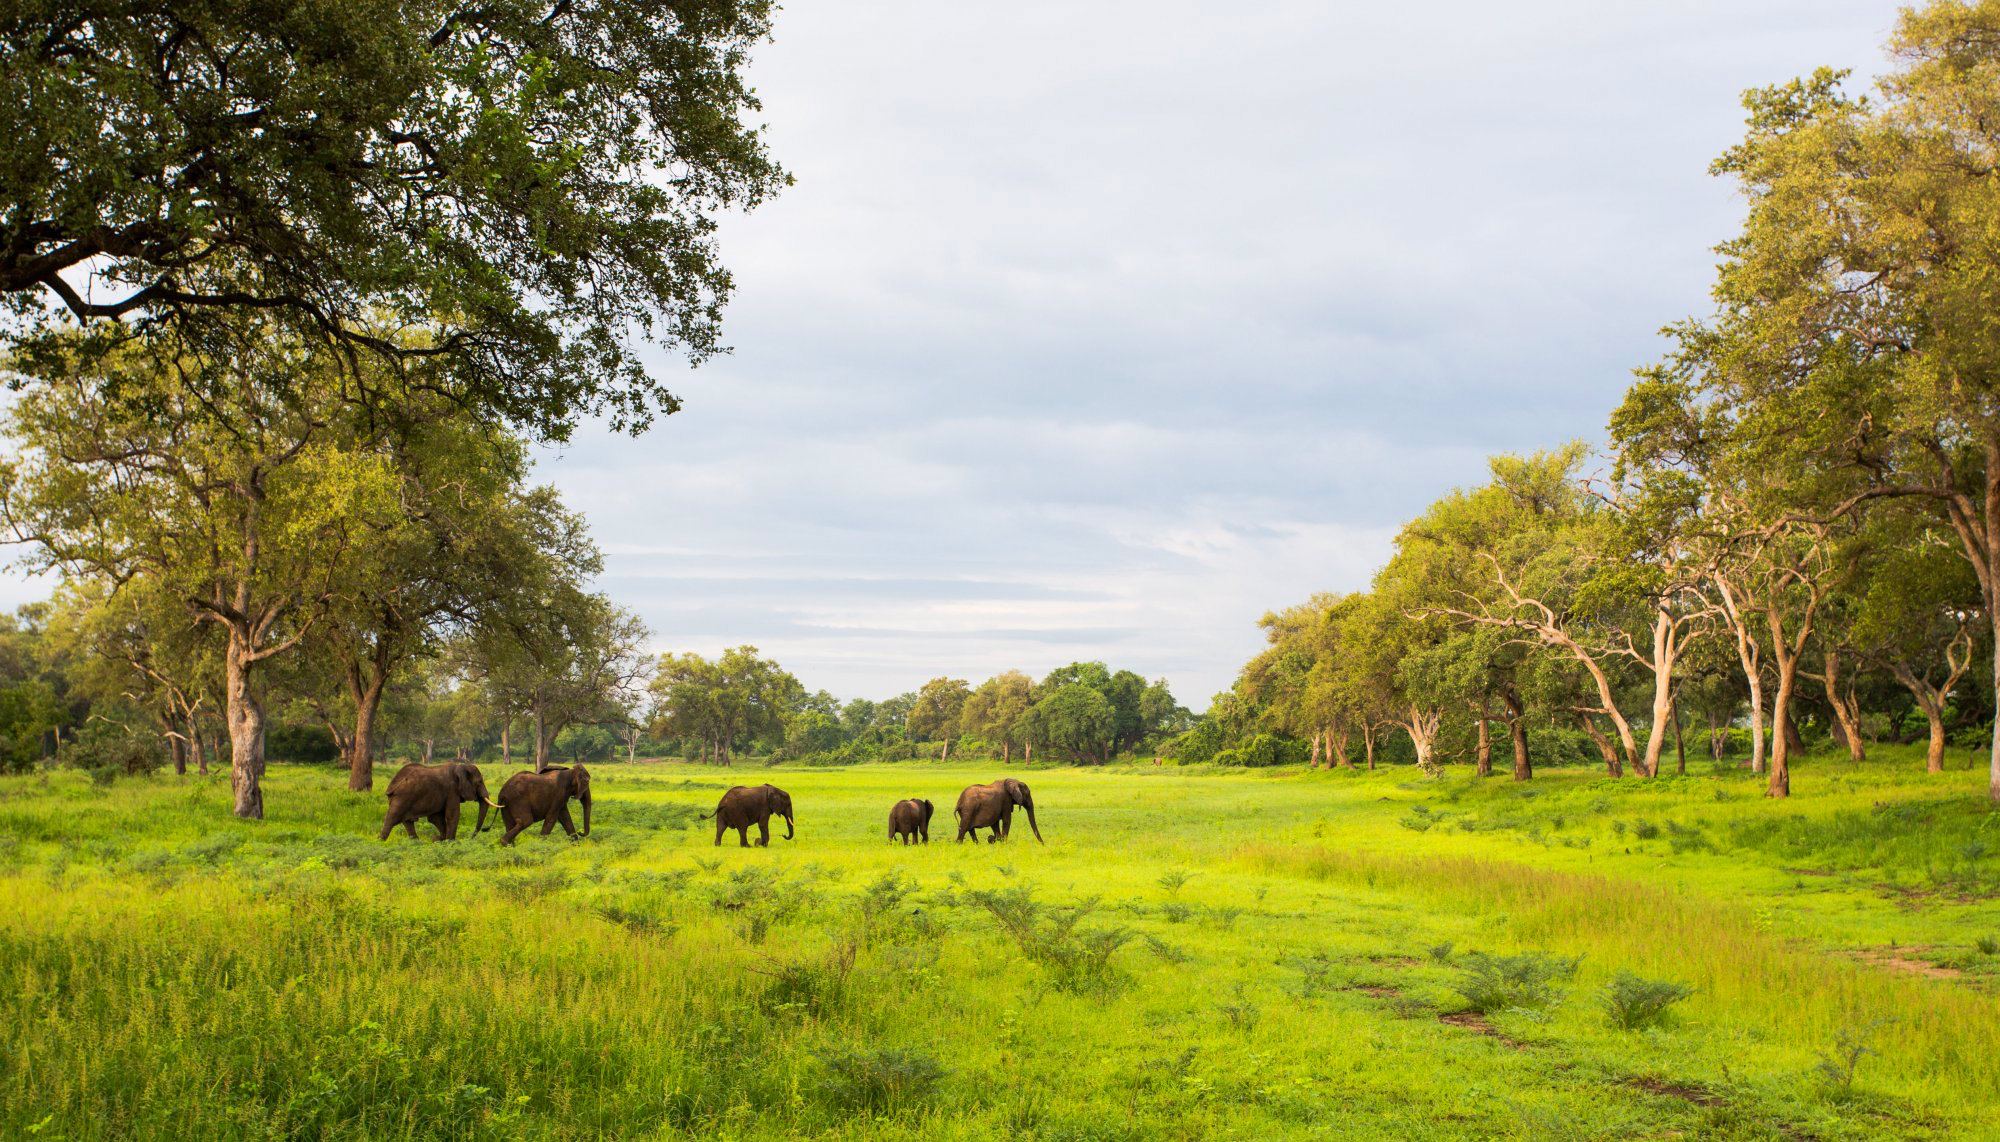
1666	651
1934	758
246	726
367	696
1368	741
1783	731
1846	707
541	741
179	745
1006	752
1517	729
427	749
1483	755
1314	764
506	746
1680	747
1604	748
1749	655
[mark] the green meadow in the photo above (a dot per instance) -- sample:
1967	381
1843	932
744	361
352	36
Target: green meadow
1270	954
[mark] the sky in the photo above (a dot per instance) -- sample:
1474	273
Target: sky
1096	331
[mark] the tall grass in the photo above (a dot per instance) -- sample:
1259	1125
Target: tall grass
1261	955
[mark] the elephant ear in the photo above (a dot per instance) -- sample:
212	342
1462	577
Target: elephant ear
565	784
462	778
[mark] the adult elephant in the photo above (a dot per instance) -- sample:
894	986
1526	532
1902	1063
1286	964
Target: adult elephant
745	806
992	806
434	792
911	819
529	797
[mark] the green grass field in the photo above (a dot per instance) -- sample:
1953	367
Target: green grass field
1272	954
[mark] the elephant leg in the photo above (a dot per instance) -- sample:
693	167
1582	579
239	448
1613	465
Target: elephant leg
743	836
568	825
410	827
764	833
513	830
549	821
388	825
437	822
450	828
720	828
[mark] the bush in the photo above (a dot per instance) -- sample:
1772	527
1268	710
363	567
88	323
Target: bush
1271	749
1634	1004
879	1080
1199	745
106	750
1077	960
1497	983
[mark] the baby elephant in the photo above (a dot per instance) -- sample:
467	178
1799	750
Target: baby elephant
544	797
745	806
911	820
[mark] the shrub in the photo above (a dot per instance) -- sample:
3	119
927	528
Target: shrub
1077	960
815	985
1528	980
878	1080
1634	1004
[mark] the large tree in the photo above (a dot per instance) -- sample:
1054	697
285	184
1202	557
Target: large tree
1860	296
246	495
994	710
537	181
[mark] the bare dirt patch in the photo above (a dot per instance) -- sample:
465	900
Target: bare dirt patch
1474	1021
1374	989
1904	960
1682	1091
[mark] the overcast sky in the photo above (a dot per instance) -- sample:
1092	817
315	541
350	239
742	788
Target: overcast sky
1096	330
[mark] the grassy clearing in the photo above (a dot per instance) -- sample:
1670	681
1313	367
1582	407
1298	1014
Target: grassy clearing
1250	955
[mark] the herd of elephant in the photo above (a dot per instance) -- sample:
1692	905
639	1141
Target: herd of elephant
435	792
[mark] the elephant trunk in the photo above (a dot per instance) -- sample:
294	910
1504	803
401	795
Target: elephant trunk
586	812
788	826
484	804
1028	803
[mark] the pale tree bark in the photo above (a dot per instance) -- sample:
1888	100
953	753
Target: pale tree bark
1483	751
1846	705
1422	726
1787	653
1604	748
1671	631
1336	746
1931	698
1749	655
1368	741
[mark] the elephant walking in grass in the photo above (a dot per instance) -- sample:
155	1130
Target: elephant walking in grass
745	806
992	806
529	797
910	820
434	793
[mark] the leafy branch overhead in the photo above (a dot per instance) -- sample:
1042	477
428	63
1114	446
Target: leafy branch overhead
509	194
